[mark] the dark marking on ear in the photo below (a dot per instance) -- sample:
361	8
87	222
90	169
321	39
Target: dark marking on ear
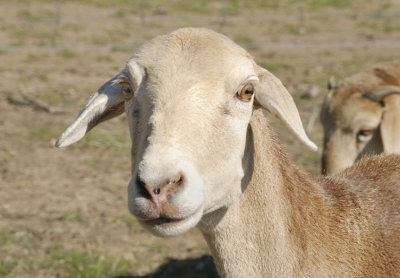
106	115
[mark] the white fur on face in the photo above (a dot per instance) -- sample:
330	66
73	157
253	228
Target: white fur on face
190	122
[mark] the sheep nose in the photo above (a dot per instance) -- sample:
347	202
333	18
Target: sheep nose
163	192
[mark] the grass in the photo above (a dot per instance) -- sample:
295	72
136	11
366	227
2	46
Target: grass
41	76
75	216
67	54
27	238
276	68
104	58
70	263
243	40
6	267
73	27
42	35
53	98
4	237
29	15
44	133
296	29
19	33
83	264
130	222
33	57
318	4
105	138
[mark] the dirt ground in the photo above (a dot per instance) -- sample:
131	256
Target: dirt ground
63	212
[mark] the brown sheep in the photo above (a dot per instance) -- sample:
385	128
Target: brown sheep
361	116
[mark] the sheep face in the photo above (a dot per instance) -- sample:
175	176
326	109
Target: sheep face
189	98
188	127
350	131
360	117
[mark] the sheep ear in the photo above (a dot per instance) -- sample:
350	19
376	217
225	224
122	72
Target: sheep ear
274	97
390	125
106	103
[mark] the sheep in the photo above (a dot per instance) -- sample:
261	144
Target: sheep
361	116
204	155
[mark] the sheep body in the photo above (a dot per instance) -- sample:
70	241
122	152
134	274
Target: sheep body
225	170
344	225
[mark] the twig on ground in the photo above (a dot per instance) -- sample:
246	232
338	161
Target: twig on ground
32	101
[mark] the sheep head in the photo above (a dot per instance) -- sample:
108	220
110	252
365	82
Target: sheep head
359	120
189	98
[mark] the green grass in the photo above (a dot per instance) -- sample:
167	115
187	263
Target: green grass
100	40
54	98
6	267
83	264
41	76
42	35
204	7
104	58
29	15
70	26
67	263
275	68
27	238
44	132
243	40
4	237
316	4
19	33
34	57
75	216
390	27
67	54
131	222
296	29
103	137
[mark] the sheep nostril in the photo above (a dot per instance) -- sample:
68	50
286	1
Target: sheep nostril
180	181
142	188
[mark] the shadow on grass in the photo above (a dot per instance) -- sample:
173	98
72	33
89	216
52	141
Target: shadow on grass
190	268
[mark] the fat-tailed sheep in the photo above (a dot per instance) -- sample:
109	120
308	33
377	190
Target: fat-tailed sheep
361	116
204	155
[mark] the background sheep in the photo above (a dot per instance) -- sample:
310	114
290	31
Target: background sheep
361	116
201	156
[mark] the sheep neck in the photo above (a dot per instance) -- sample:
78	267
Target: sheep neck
259	235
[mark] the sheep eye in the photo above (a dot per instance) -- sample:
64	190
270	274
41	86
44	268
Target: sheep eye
364	134
246	92
127	90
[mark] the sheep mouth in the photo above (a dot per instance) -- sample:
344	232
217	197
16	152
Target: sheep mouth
164	226
161	221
